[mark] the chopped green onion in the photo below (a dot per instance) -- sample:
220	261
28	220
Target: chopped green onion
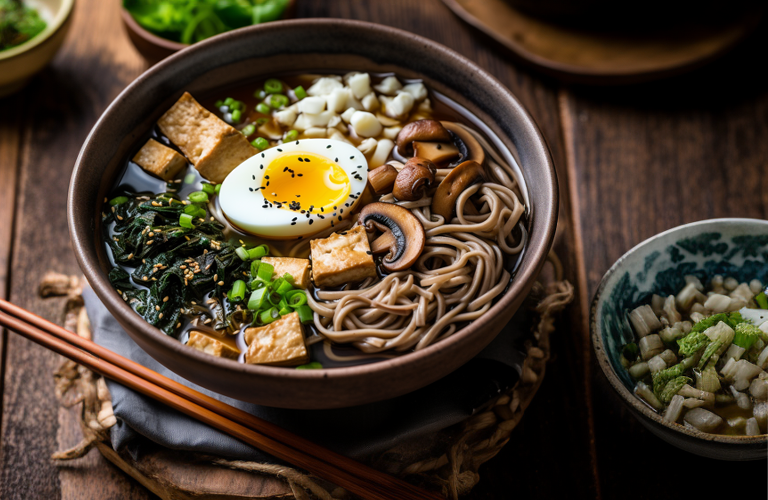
265	271
242	253
219	104
277	101
291	135
257	299
269	315
217	189
260	94
277	283
208	188
261	121
762	300
249	129
273	86
283	304
314	365
256	283
190	179
118	201
258	252
236	115
238	289
198	197
260	143
255	268
185	220
194	211
746	335
263	108
296	298
287	277
228	101
300	92
285	311
284	287
305	314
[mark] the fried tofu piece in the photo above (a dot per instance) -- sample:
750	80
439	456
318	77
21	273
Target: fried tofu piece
280	343
214	147
342	258
160	160
298	268
211	346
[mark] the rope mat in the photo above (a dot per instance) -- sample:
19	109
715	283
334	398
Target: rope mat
446	461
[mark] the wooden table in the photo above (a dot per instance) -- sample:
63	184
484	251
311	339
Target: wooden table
632	161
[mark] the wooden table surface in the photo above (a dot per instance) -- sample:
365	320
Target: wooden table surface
632	161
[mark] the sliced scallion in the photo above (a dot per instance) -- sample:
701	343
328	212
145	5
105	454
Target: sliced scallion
284	287
242	253
185	220
300	92
257	299
277	101
208	188
258	252
238	290
263	108
249	129
198	197
314	365
118	200
269	315
273	86
265	271
260	143
284	311
291	135
296	298
305	314
236	115
762	300
190	179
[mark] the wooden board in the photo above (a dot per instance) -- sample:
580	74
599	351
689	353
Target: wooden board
609	53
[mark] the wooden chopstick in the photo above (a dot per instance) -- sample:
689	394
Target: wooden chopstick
355	477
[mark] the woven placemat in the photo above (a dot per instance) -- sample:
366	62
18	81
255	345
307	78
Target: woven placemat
446	461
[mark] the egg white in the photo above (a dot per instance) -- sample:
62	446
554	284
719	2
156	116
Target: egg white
242	201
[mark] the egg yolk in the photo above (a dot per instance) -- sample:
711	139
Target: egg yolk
300	180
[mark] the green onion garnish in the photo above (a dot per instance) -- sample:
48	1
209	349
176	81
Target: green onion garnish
296	298
194	211
249	129
238	290
198	197
314	365
261	121
236	115
260	143
190	179
762	300
305	314
228	101
260	94
257	299
255	268
291	135
208	188
242	253
265	271
284	311
219	103
185	220
263	108
118	200
300	92
217	188
269	315
277	101
273	86
284	287
258	252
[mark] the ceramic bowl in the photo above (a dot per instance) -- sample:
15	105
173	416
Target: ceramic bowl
729	247
19	63
305	45
154	48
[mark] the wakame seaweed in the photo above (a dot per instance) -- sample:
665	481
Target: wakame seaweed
172	265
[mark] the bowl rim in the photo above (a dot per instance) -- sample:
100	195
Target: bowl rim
61	15
546	213
599	348
133	25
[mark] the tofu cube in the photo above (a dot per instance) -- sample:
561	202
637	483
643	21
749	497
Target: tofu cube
160	160
279	343
213	147
342	258
298	268
211	346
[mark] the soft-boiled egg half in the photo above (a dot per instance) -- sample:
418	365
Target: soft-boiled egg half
295	189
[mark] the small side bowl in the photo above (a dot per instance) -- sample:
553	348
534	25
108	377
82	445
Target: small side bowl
154	48
18	64
730	247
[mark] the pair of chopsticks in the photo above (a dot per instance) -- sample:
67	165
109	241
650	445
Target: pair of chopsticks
351	475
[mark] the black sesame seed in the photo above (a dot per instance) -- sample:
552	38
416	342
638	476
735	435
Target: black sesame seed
293	223
322	217
261	167
280	150
266	177
336	160
250	189
254	177
351	157
267	183
334	214
340	217
294	218
297	143
328	146
359	166
285	169
369	252
301	175
439	146
262	155
341	211
306	160
301	159
311	222
322	209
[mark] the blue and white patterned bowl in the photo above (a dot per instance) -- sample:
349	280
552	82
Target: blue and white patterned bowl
729	247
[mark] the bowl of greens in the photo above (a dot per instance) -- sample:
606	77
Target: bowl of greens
679	329
30	35
158	28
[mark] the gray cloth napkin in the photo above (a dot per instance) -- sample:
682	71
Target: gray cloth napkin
356	432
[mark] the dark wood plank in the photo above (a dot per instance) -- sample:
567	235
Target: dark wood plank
646	159
63	104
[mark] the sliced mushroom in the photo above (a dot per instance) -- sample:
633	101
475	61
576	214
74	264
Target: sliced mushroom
421	130
414	179
403	236
382	179
437	152
468	146
457	180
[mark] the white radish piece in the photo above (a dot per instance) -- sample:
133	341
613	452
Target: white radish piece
365	124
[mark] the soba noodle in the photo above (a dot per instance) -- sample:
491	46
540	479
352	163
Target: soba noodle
455	280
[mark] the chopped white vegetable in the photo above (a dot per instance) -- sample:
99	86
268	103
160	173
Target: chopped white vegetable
657	304
365	124
316	133
312	105
388	86
675	408
324	86
650	346
347	115
718	303
639	370
752	428
286	117
689	392
417	90
669	311
762	359
740	373
691	279
742	291
399	106
756	286
646	394
370	102
307	120
337	136
742	400
391	132
367	146
360	84
656	364
687	296
734	352
758	317
730	284
669	357
383	148
670	334
759	389
644	321
702	419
